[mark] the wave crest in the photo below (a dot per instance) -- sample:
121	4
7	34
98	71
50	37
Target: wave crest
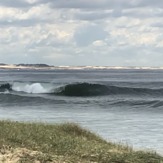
77	89
34	88
88	89
82	89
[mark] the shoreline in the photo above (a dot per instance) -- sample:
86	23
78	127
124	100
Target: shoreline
49	67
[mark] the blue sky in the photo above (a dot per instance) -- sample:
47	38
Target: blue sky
80	32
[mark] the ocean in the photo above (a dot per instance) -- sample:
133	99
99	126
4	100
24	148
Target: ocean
120	105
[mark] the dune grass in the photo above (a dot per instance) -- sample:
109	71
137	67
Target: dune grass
45	143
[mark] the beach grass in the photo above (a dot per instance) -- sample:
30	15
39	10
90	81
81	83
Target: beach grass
58	143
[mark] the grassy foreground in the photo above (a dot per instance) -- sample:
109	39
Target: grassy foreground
69	143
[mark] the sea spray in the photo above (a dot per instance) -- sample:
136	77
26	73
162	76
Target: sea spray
30	88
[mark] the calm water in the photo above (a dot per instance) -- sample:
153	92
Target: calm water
120	105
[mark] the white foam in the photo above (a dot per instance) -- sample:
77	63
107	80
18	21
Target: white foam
5	92
30	88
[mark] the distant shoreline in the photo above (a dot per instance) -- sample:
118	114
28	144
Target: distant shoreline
49	67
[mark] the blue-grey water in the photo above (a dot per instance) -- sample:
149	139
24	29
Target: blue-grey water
123	106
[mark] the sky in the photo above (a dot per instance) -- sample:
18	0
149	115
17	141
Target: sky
80	32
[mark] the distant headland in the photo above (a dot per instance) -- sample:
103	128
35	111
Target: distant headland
51	67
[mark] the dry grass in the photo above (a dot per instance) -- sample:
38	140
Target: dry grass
45	143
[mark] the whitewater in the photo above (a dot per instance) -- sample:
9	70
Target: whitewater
121	105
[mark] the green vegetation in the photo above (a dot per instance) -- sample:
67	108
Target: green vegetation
45	143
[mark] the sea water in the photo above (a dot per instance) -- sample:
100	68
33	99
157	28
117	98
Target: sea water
124	106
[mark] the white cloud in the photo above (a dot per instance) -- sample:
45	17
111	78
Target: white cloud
99	43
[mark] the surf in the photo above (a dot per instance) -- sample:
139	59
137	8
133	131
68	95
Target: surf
34	88
92	89
82	89
77	89
5	87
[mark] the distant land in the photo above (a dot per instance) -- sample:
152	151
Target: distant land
49	67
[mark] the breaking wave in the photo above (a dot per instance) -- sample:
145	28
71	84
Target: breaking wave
88	89
78	89
35	88
83	89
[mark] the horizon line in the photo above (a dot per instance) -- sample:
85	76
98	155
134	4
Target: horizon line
46	66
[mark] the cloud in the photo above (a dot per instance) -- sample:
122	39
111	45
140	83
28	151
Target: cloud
18	3
92	15
103	4
24	17
68	32
157	24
